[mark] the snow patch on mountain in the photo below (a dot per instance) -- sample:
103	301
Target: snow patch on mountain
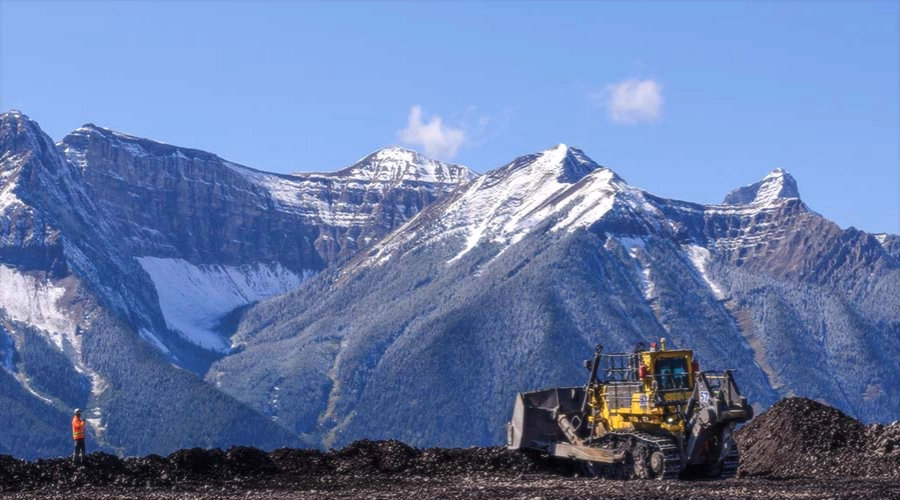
286	191
153	340
700	258
26	384
194	298
595	199
634	245
636	248
35	302
98	384
8	196
95	420
7	352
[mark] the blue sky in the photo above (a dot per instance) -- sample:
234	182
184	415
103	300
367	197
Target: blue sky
686	100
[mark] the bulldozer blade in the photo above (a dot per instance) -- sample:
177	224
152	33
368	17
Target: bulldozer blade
534	423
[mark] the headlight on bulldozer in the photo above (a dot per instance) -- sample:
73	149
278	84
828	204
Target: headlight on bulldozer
670	420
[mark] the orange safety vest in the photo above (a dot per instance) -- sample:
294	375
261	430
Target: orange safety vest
77	428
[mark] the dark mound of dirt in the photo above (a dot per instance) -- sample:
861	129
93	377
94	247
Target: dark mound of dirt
247	461
301	462
198	463
799	437
365	460
366	457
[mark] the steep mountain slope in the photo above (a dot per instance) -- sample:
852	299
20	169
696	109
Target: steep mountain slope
121	257
63	345
507	284
213	236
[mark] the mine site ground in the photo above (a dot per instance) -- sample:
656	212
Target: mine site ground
485	487
797	449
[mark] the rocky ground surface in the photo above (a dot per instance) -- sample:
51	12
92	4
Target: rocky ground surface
798	449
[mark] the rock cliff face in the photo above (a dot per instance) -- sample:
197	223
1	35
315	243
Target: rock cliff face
28	163
766	228
890	242
196	206
120	256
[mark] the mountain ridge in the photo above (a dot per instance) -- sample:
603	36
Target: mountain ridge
134	253
590	259
361	303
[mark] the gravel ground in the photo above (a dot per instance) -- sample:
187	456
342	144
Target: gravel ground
486	487
797	449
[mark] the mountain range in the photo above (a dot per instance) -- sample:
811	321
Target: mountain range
184	300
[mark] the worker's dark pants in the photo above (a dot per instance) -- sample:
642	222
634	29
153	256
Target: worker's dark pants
78	457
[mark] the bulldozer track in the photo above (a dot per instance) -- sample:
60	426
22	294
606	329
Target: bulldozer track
672	464
669	448
730	463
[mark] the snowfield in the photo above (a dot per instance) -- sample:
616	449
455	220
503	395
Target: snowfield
194	298
34	302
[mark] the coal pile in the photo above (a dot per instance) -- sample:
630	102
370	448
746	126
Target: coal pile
246	467
366	457
799	437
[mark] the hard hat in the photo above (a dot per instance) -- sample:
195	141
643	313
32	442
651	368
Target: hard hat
77	411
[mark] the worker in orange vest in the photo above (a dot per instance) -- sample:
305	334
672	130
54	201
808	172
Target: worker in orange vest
78	436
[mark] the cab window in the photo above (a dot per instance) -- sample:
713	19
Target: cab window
672	373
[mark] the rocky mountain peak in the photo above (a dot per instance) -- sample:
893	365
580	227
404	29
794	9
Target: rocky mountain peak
90	128
13	116
778	185
563	163
394	164
20	134
504	205
28	156
103	141
394	152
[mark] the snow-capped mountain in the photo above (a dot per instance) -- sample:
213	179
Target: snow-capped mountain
397	165
508	283
164	287
213	235
113	246
504	205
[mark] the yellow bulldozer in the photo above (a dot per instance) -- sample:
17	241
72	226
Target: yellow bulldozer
650	414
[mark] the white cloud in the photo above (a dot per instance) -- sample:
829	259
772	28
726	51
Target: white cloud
436	139
632	101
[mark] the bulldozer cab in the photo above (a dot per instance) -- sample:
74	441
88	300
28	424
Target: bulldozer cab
641	390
